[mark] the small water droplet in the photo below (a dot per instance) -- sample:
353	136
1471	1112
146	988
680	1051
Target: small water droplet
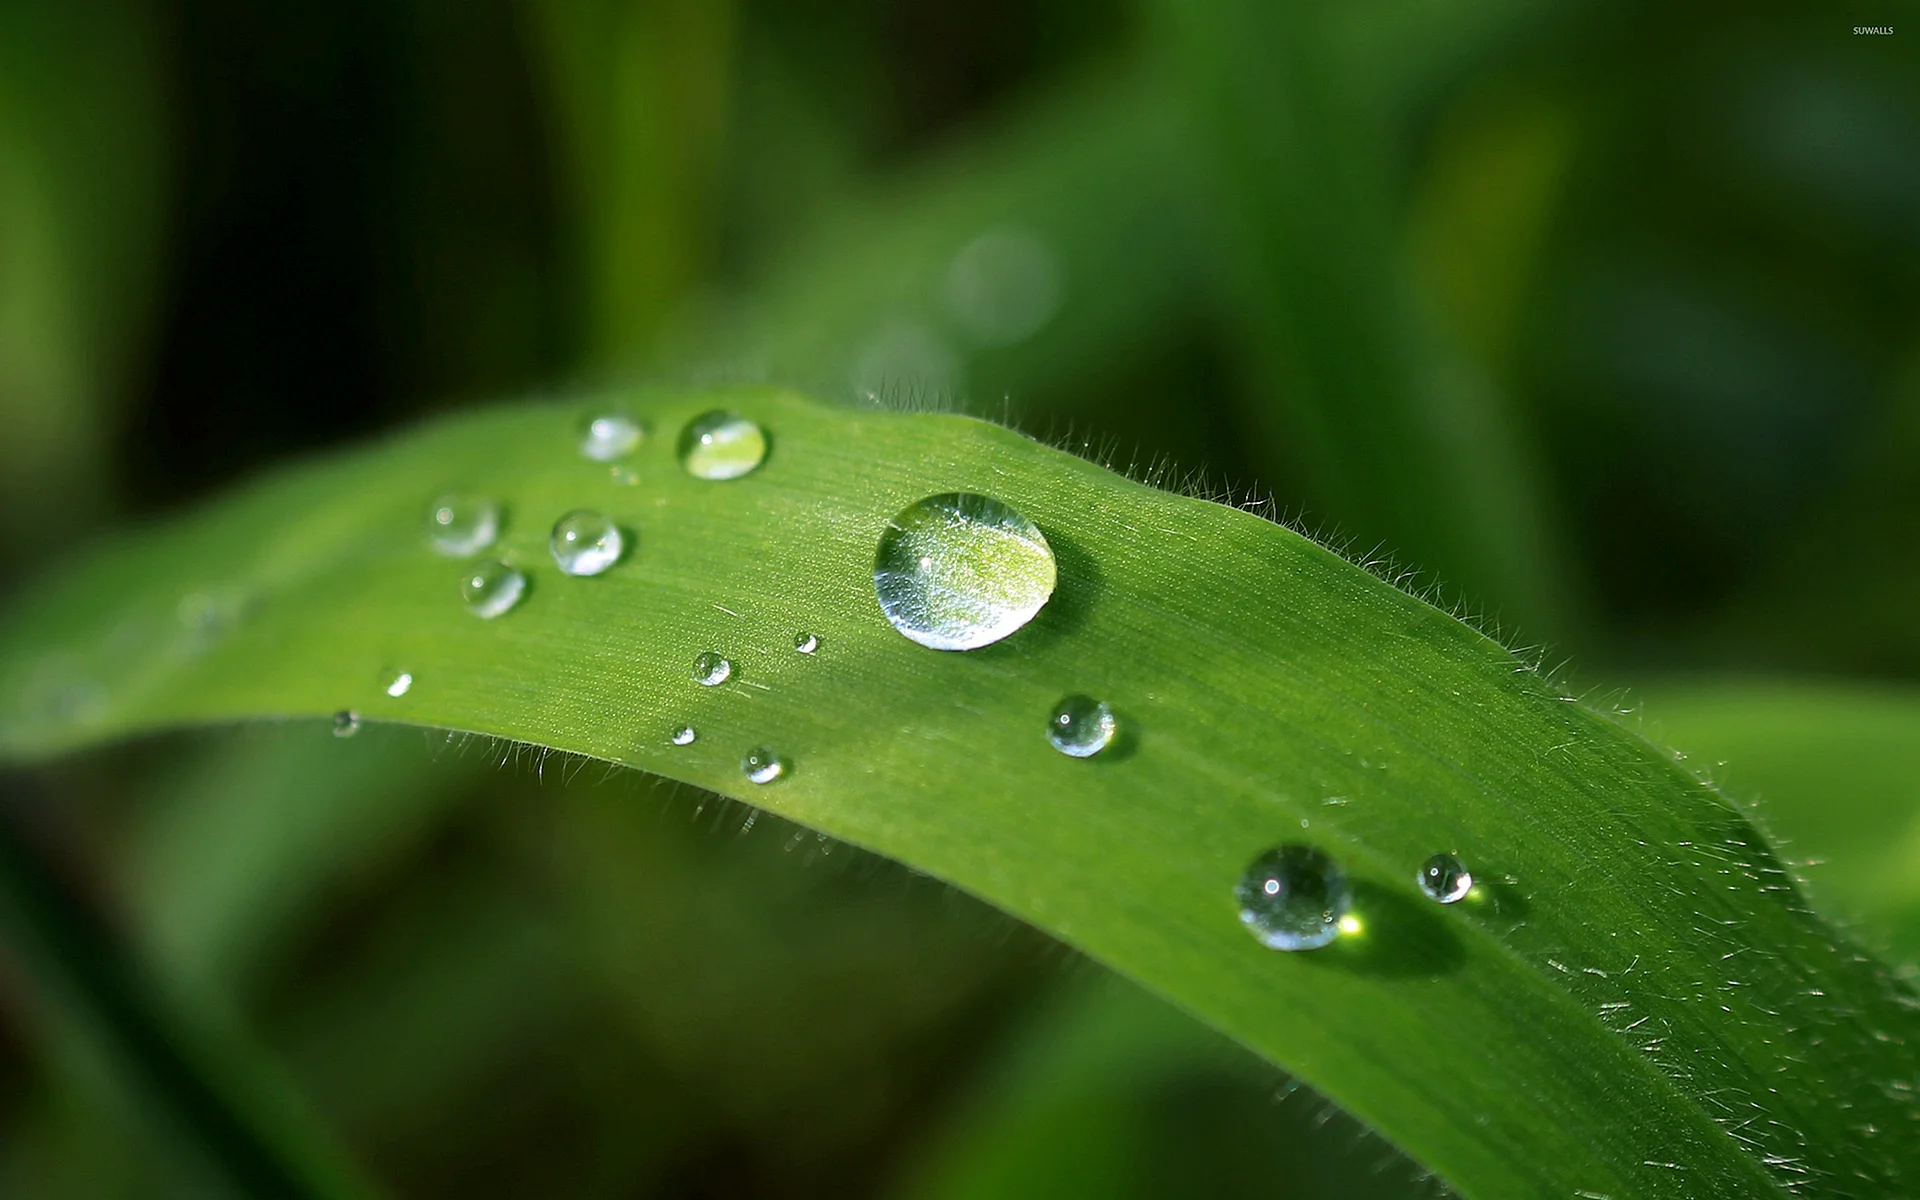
1444	878
492	588
762	765
711	669
396	683
960	570
460	526
1081	726
1292	897
609	436
624	476
346	723
805	643
1003	286
684	736
721	445
585	542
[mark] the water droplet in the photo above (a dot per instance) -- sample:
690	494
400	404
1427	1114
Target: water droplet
711	669
805	643
1445	878
397	683
1003	286
1292	898
346	723
459	526
960	570
762	765
721	445
492	588
609	436
684	736
1081	726
585	543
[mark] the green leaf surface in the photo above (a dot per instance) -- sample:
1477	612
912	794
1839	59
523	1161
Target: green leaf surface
1835	770
1634	1003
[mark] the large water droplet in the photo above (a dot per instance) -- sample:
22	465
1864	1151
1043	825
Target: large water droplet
492	588
1081	726
721	445
684	736
805	643
585	542
396	683
711	669
1292	898
346	723
1445	878
609	436
1003	286
960	570
762	765
459	526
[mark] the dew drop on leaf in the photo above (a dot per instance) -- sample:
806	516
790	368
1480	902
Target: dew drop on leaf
710	669
721	445
684	736
1292	898
1444	878
396	683
609	436
492	588
459	526
1081	726
762	765
805	643
585	542
960	570
346	723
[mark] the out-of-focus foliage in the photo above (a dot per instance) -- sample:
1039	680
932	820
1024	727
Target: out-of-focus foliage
1605	316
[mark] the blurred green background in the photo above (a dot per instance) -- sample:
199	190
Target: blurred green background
1601	320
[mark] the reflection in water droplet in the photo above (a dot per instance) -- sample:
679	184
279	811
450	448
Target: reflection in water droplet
609	436
1003	286
397	683
684	736
762	765
492	588
585	543
906	359
1292	898
960	570
711	669
346	723
1081	726
459	526
805	643
1444	878
721	445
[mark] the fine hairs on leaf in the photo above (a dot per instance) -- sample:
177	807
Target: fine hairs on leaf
1633	992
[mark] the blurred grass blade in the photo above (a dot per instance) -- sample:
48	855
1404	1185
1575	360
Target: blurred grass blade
209	1085
1635	994
1396	435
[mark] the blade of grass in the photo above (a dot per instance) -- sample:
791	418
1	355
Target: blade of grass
1835	771
213	1087
1637	995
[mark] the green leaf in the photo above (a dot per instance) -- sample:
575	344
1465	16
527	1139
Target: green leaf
1635	1002
1835	770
